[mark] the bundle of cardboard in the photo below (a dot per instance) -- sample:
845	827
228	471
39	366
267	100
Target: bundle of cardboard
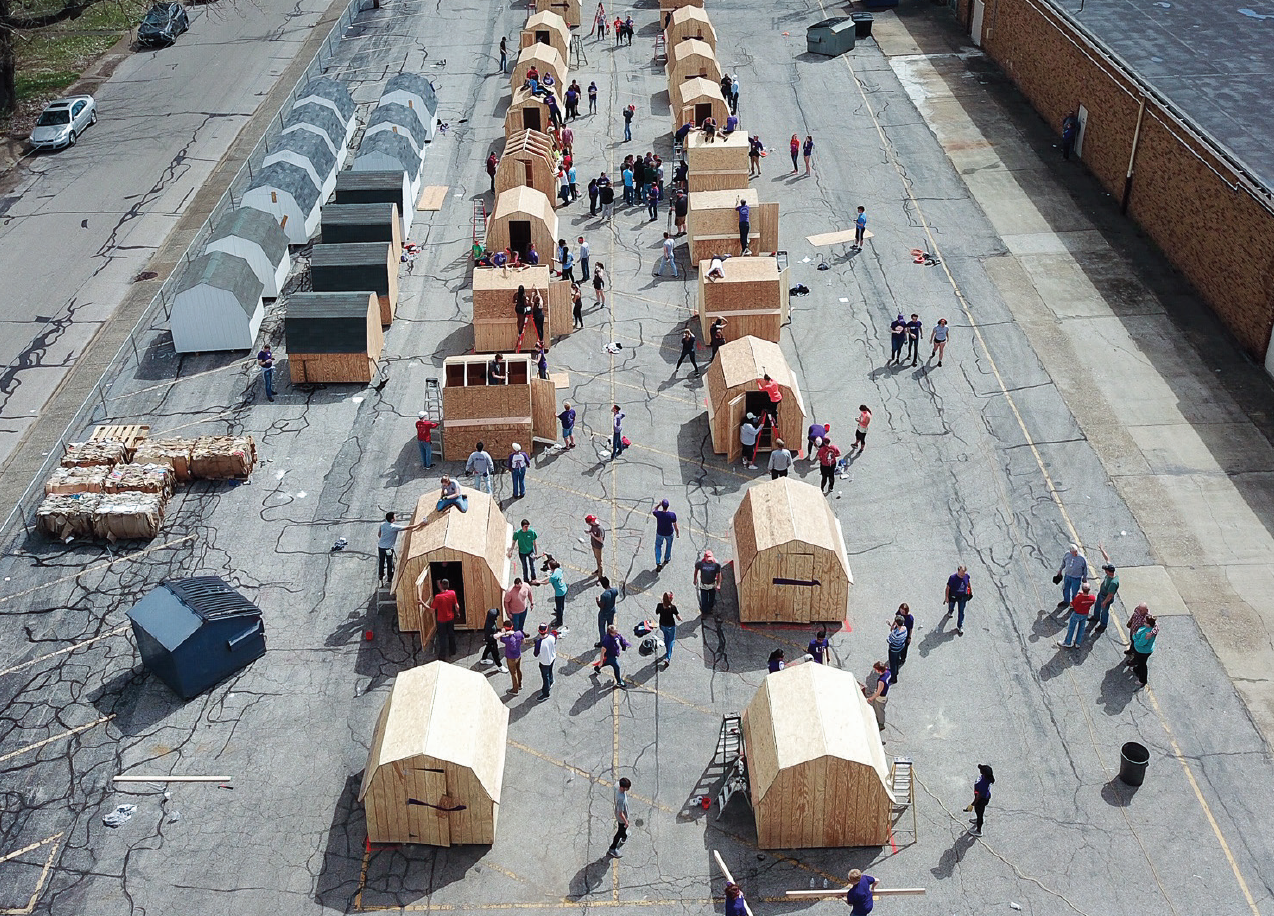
223	457
67	516
174	452
101	452
139	478
86	479
122	516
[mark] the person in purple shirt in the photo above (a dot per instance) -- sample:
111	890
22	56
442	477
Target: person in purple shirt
612	644
958	592
744	225
859	895
915	333
981	796
666	528
819	646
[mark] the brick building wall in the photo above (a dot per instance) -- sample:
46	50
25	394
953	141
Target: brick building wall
1210	221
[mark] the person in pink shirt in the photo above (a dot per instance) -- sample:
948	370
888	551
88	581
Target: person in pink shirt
518	601
860	434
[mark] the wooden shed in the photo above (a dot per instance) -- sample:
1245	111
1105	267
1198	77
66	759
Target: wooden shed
522	409
549	28
417	93
753	298
468	549
785	532
367	187
692	58
311	153
332	94
696	99
690	22
345	223
323	121
436	767
530	112
287	193
495	323
721	165
256	238
357	267
545	59
673	5
387	152
733	393
569	10
333	337
529	160
817	772
521	216
398	119
712	225
217	305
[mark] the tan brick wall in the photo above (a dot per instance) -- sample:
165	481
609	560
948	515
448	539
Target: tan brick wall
1212	226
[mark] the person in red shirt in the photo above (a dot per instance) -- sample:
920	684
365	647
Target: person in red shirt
771	388
491	164
827	456
1081	604
425	438
446	607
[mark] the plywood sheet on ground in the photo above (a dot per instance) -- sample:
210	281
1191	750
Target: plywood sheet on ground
432	197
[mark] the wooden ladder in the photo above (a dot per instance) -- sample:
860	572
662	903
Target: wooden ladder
902	782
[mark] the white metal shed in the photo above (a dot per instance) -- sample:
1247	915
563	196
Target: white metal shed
387	151
255	237
332	94
323	121
217	305
398	119
310	152
287	193
417	93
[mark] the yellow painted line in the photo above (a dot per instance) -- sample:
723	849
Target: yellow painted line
103	565
63	651
67	734
1054	493
44	872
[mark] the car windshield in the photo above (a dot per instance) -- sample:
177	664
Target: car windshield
158	16
54	118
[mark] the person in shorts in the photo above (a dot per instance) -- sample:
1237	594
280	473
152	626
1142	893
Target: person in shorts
860	434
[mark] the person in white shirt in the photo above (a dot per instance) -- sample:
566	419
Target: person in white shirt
519	461
780	460
546	655
482	466
749	432
387	539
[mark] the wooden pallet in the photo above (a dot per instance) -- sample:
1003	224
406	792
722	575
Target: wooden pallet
131	435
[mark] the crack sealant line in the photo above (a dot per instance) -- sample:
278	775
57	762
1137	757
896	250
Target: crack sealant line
103	565
1053	492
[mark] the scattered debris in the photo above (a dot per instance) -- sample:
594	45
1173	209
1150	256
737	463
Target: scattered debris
121	815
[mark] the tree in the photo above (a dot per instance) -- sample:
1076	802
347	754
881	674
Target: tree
17	16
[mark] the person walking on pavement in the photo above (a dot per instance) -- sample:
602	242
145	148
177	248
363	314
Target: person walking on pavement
666	528
1081	605
557	579
1143	643
265	359
585	271
669	257
795	147
424	438
859	896
519	461
546	654
897	340
628	130
680	208
621	819
819	647
780	460
707	580
606	197
688	344
1071	573
612	644
599	287
1106	593
518	601
939	339
617	431
605	611
860	434
981	797
860	229
446	607
524	541
592	98
735	904
480	465
897	642
828	454
915	331
491	649
597	539
668	618
513	637
504	57
652	207
567	419
1135	622
809	153
958	592
876	690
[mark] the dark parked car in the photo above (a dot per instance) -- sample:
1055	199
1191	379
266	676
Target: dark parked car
162	24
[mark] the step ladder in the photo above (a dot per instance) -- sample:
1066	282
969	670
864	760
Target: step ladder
479	223
576	53
433	408
902	782
729	757
661	47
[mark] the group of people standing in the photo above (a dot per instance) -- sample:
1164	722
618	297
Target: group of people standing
908	334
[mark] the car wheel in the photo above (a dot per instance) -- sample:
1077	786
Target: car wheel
70	140
92	118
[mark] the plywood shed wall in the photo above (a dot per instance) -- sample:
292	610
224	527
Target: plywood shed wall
547	27
695	99
255	237
712	225
521	410
692	58
690	22
333	337
347	223
785	529
666	5
323	121
545	59
523	205
529	160
439	744
569	10
287	193
367	187
816	766
753	298
735	372
478	540
311	153
495	324
357	267
721	165
217	305
417	93
529	112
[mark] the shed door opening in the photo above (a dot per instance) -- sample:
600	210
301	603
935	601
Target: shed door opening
520	235
531	118
756	402
542	36
453	572
527	174
702	110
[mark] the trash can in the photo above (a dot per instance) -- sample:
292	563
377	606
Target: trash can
1133	760
831	36
862	24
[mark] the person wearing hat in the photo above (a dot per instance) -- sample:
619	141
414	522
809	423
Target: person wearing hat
707	580
519	461
597	538
425	438
1106	592
666	528
546	655
749	433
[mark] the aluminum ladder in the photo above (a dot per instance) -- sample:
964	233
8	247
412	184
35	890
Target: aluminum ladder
479	223
576	53
729	757
902	782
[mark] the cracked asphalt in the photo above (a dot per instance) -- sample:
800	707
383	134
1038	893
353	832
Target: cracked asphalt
980	461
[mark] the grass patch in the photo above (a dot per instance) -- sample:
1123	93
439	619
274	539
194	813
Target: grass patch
51	59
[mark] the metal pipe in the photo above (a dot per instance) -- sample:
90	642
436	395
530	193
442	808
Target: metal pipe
1132	158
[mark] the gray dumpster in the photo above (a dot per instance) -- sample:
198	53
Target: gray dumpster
831	36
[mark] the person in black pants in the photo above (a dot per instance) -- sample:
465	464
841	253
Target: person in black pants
688	343
981	796
621	818
915	331
491	653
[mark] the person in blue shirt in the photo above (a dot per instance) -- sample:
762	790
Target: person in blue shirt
860	229
909	621
629	187
915	332
666	528
897	644
981	796
897	340
567	418
859	895
605	611
744	225
532	256
819	646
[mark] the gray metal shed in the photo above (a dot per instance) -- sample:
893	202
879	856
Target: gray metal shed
333	337
417	93
255	237
217	305
388	151
327	91
375	188
400	119
321	120
287	192
357	266
831	36
310	152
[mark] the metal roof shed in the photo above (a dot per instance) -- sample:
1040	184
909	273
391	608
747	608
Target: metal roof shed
194	633
329	92
311	153
377	187
417	93
287	193
398	119
217	305
323	121
344	223
388	151
256	238
333	337
356	267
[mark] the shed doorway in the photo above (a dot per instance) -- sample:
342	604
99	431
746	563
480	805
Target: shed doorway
453	572
703	111
756	403
520	236
531	118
